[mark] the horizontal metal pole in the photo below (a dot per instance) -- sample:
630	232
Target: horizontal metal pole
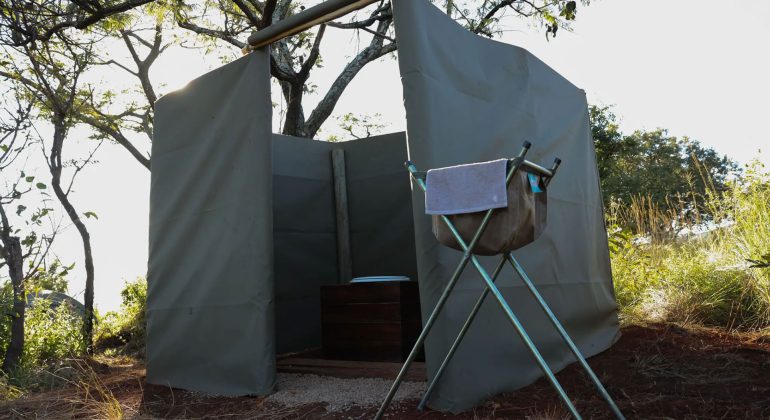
533	167
539	170
316	15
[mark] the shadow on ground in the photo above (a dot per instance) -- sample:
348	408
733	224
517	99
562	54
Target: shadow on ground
655	371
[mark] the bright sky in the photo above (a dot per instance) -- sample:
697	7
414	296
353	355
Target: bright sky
698	68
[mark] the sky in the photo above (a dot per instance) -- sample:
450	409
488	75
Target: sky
698	68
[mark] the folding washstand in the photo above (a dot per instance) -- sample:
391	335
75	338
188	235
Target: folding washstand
546	175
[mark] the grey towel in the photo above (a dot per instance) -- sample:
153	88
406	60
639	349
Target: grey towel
466	188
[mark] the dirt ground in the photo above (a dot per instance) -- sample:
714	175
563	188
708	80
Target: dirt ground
654	372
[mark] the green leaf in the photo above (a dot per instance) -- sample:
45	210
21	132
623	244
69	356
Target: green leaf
29	178
90	214
20	209
41	186
568	12
3	147
29	240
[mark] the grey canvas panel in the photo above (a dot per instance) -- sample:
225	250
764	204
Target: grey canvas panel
379	203
210	269
469	99
379	206
304	238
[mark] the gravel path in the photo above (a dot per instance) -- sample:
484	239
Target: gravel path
338	394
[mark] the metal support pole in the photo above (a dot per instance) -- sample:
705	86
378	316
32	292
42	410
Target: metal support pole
426	329
460	336
491	287
554	168
525	278
475	310
519	327
467	255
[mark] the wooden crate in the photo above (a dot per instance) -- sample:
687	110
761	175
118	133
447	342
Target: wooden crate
370	321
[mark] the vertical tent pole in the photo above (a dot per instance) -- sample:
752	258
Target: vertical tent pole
344	258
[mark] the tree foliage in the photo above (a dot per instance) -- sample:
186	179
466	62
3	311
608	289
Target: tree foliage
48	74
20	237
228	23
24	22
663	169
125	331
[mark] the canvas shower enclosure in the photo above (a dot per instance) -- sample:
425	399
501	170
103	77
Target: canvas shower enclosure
242	221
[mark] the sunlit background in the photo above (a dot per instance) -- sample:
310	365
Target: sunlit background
697	68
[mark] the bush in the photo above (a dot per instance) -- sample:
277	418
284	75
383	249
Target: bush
125	331
699	278
51	335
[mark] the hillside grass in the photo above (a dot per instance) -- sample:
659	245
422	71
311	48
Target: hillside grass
718	278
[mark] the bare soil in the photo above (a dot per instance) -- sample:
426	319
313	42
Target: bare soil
654	372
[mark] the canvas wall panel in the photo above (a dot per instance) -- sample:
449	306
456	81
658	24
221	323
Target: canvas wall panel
380	206
470	99
210	271
304	238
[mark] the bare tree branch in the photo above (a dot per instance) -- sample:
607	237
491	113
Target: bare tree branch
118	136
248	13
314	54
143	65
23	22
323	110
223	35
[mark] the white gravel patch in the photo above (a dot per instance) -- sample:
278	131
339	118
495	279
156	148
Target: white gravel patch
338	394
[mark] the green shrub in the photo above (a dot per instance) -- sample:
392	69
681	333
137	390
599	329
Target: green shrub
51	336
703	279
125	331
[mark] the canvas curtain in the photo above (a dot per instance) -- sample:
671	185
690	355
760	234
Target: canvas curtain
304	239
210	270
470	99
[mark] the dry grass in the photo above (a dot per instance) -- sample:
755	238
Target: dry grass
556	412
95	398
83	394
695	279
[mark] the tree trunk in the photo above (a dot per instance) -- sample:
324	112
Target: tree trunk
295	116
55	165
15	348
